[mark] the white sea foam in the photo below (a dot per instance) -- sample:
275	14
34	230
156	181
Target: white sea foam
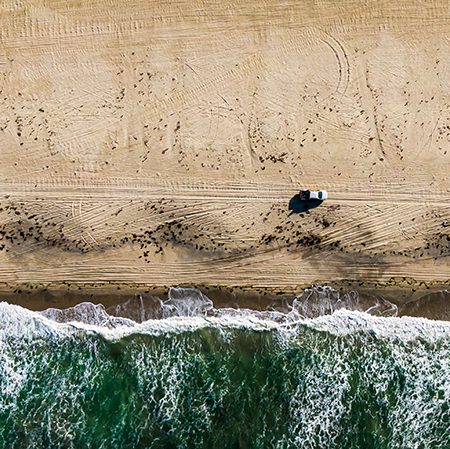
16	321
323	300
344	322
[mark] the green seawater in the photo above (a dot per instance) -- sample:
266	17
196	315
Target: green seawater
343	381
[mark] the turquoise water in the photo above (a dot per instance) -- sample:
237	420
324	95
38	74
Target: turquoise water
247	380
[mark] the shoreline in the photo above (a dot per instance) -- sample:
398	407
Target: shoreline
411	297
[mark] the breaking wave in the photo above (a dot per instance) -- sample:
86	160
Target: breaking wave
332	371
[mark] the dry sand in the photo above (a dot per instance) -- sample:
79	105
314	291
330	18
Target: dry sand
159	143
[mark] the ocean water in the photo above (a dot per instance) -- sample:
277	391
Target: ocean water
200	377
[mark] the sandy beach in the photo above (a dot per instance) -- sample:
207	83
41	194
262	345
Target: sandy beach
158	144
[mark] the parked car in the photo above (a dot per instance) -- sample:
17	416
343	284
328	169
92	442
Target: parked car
307	195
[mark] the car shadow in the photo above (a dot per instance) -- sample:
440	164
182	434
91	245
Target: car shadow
297	205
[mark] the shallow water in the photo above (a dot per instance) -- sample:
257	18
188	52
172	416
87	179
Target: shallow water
198	377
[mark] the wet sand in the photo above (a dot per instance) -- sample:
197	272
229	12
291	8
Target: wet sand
154	144
413	300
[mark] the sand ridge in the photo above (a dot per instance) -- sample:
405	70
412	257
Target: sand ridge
161	143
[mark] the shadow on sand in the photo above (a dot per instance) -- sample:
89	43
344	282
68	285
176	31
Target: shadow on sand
297	205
